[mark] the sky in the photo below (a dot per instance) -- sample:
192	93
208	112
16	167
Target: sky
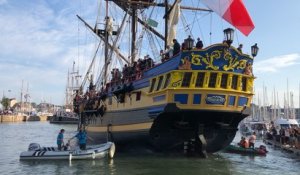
39	40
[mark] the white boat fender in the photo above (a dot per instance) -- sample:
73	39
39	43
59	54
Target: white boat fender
94	155
112	151
70	156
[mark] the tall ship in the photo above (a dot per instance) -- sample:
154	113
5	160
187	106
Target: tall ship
184	93
66	114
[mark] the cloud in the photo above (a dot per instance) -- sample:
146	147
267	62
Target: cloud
38	45
275	64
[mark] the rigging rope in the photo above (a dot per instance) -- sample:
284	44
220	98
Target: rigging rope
210	30
199	26
186	26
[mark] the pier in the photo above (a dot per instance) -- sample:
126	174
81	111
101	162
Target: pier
22	118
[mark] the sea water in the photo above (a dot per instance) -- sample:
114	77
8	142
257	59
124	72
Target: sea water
17	136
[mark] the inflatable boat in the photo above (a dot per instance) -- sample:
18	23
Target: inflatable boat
262	151
36	152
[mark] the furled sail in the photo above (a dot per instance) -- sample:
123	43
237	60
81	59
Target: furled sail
234	12
173	21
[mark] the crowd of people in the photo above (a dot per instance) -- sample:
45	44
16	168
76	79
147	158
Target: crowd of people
285	135
130	73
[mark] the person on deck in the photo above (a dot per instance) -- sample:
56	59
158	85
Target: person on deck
168	53
125	72
81	136
176	47
60	139
240	48
252	140
162	56
199	44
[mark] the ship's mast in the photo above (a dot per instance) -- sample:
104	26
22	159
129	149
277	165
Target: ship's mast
166	22
22	97
106	44
133	33
67	90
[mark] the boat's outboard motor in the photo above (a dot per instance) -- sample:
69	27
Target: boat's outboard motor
34	147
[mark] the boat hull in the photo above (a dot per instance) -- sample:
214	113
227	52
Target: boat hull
167	127
63	120
247	151
51	153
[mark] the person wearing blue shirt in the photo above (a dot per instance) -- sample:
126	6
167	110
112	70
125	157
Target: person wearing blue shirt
60	139
81	136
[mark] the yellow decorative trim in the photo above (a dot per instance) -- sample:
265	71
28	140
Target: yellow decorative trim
120	128
176	79
219	44
196	59
209	59
233	62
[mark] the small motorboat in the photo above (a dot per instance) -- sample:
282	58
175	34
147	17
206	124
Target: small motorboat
36	152
249	151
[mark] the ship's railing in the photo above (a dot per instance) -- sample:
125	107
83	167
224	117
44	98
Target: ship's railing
202	79
206	89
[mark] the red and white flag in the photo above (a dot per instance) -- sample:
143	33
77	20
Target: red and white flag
234	12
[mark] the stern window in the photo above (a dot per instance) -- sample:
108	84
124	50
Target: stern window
224	81
212	80
152	84
244	84
138	96
186	79
200	79
234	82
167	82
159	82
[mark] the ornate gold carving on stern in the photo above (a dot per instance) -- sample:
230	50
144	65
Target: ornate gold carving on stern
176	80
196	59
242	64
233	62
209	59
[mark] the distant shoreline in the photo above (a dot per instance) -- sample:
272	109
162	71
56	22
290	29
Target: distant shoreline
21	118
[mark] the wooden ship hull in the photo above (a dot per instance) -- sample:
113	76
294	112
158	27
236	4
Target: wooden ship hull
199	95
